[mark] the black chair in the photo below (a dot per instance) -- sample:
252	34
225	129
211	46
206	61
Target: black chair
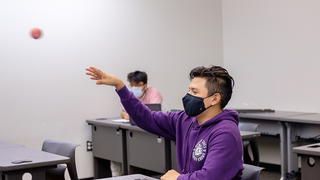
255	160
251	172
63	149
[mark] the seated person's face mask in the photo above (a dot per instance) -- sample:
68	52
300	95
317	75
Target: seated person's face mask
193	105
137	91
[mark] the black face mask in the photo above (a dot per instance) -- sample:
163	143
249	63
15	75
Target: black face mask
193	105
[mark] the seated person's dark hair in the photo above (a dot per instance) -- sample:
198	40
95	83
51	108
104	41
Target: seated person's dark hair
138	76
218	81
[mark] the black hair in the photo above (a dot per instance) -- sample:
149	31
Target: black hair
218	81
138	76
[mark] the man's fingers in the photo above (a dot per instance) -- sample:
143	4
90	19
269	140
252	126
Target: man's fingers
90	69
92	74
95	70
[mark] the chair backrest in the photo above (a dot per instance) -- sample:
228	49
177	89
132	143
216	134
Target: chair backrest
63	149
251	172
243	126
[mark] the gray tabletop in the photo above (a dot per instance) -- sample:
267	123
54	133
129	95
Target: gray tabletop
38	158
286	116
310	118
105	122
128	126
249	135
311	149
276	116
130	177
110	122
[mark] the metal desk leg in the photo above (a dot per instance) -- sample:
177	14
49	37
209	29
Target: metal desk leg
283	148
168	154
124	153
292	157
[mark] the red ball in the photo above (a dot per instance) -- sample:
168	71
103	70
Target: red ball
36	33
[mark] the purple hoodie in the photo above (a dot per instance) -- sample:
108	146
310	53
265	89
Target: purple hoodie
211	151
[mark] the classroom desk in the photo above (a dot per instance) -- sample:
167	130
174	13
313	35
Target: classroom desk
296	126
287	124
124	143
310	161
130	177
41	161
142	147
109	144
310	149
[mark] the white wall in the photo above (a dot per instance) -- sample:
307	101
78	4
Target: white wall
44	92
272	48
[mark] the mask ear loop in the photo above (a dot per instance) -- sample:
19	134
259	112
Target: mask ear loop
207	97
209	106
144	90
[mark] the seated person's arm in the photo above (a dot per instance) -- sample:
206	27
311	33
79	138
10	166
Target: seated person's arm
163	124
160	123
124	115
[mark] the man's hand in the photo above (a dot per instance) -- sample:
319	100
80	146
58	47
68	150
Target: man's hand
104	78
124	115
170	175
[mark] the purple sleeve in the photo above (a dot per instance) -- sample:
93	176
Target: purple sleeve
223	161
160	123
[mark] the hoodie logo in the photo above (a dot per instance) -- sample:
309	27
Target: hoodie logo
199	151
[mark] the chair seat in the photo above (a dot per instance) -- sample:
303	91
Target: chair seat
62	149
244	126
251	172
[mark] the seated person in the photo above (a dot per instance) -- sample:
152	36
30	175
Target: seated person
209	145
138	81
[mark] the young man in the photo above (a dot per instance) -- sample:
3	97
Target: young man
209	145
138	81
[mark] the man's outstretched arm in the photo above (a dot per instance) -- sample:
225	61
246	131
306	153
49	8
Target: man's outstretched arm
160	123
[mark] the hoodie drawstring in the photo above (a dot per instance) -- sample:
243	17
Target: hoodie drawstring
187	147
196	140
